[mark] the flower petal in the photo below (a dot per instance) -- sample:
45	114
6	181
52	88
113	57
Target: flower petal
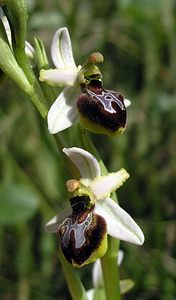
127	103
52	225
63	113
30	53
61	49
120	257
59	77
120	225
90	294
85	162
97	274
6	26
126	285
104	185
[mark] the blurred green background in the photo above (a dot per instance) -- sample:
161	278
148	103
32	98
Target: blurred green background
138	41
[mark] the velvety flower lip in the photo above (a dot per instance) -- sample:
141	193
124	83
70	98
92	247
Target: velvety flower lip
120	224
63	113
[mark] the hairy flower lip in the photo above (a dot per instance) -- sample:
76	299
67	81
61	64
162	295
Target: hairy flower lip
120	225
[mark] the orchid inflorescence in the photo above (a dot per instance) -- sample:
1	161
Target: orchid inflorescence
91	215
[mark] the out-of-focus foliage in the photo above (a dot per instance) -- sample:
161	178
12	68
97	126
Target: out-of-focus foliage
138	41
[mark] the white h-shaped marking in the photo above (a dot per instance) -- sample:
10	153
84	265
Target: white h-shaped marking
106	99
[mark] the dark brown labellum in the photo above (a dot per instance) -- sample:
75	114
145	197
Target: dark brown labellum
102	107
81	235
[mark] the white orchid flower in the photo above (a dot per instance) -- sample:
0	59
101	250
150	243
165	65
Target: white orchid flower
96	187
64	111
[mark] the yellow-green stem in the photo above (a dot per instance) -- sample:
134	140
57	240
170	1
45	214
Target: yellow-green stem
111	271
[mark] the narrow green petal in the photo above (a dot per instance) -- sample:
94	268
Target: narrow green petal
102	186
126	285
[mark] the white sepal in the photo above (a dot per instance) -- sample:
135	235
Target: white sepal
61	49
120	225
52	225
127	102
84	161
102	186
63	112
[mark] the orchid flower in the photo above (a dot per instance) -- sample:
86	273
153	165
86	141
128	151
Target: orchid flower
97	278
83	227
83	99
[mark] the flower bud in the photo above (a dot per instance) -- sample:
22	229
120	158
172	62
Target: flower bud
101	111
40	55
83	235
17	14
9	65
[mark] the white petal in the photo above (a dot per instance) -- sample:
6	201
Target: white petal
85	162
52	225
120	225
90	294
104	185
120	257
127	103
63	113
61	49
59	77
97	274
6	25
30	52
